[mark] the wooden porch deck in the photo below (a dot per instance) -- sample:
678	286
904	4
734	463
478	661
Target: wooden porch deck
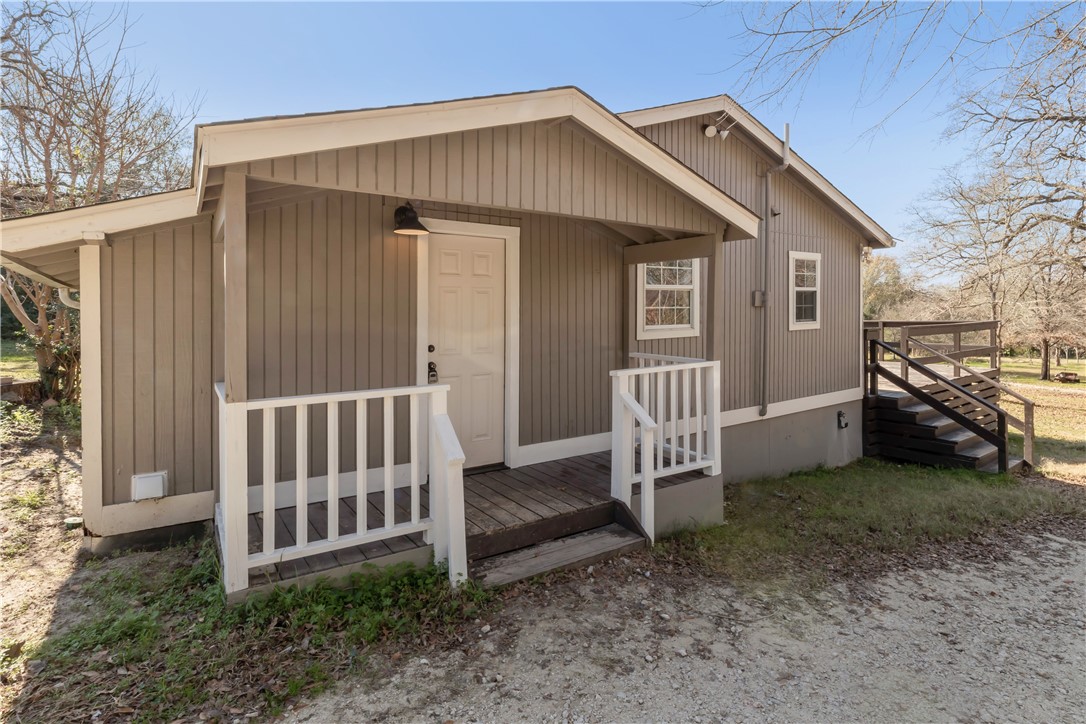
496	504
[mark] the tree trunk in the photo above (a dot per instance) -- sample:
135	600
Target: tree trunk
1046	350
1059	356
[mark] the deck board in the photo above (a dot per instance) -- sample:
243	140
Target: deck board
495	502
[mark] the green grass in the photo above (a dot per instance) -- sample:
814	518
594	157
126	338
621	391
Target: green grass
163	644
1026	371
808	525
17	360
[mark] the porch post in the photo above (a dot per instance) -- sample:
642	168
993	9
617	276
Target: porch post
90	350
230	224
231	219
714	348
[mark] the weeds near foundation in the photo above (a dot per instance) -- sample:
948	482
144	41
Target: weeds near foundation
165	645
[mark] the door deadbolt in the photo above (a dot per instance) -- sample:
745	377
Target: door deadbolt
429	348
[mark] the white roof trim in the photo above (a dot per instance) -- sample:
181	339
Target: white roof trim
30	232
246	141
874	234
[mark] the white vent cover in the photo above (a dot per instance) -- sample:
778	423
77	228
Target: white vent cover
148	486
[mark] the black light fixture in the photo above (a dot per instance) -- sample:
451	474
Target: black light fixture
407	221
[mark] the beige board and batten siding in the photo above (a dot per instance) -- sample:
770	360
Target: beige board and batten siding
157	404
332	306
531	167
802	363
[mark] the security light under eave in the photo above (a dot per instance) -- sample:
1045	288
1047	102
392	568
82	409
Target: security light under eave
407	222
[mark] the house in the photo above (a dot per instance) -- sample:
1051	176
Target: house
516	321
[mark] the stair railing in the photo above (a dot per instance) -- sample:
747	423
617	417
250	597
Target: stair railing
876	370
1025	425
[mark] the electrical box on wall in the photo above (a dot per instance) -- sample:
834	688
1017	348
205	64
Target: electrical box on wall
148	486
757	298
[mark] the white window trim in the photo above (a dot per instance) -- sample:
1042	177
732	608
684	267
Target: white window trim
793	256
675	331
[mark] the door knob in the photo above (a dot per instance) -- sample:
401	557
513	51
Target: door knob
431	374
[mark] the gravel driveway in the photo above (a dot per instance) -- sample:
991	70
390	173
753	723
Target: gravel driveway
989	641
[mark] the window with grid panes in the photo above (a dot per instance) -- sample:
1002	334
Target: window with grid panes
667	299
805	290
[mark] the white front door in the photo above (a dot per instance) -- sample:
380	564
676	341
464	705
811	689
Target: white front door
466	341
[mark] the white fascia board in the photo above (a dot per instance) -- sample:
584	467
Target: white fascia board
666	166
247	141
875	234
31	232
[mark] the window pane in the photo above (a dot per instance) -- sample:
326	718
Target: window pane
669	304
806	304
806	273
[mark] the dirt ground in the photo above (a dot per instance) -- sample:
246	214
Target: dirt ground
1000	639
39	487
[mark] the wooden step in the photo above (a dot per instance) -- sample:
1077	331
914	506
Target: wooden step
893	399
1014	464
947	443
492	543
930	428
975	456
572	551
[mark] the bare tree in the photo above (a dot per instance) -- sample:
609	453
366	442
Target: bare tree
81	125
783	44
1052	311
969	234
887	287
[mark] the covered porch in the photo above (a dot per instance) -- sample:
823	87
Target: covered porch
503	509
359	364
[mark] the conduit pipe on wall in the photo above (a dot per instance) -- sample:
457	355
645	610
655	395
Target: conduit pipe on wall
767	214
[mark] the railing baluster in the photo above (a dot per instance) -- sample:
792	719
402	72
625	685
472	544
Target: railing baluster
361	487
686	416
699	427
333	471
413	434
659	415
301	478
674	418
390	509
269	480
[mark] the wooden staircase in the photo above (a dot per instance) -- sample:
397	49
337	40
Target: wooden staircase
900	427
573	540
948	423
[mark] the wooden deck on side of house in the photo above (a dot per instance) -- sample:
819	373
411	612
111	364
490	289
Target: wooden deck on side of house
500	506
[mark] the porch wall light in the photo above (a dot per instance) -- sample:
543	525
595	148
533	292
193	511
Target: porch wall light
407	222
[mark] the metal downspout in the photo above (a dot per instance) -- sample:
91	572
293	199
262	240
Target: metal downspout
767	214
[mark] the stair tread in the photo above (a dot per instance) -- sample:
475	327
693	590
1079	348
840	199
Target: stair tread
992	466
579	549
977	450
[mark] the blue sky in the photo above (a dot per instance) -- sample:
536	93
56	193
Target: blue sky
253	59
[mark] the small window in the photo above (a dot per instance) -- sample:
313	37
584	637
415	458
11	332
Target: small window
805	290
667	299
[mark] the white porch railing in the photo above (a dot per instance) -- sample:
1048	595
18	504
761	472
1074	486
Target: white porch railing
444	527
671	410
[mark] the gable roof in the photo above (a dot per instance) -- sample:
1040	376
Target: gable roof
237	142
873	233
